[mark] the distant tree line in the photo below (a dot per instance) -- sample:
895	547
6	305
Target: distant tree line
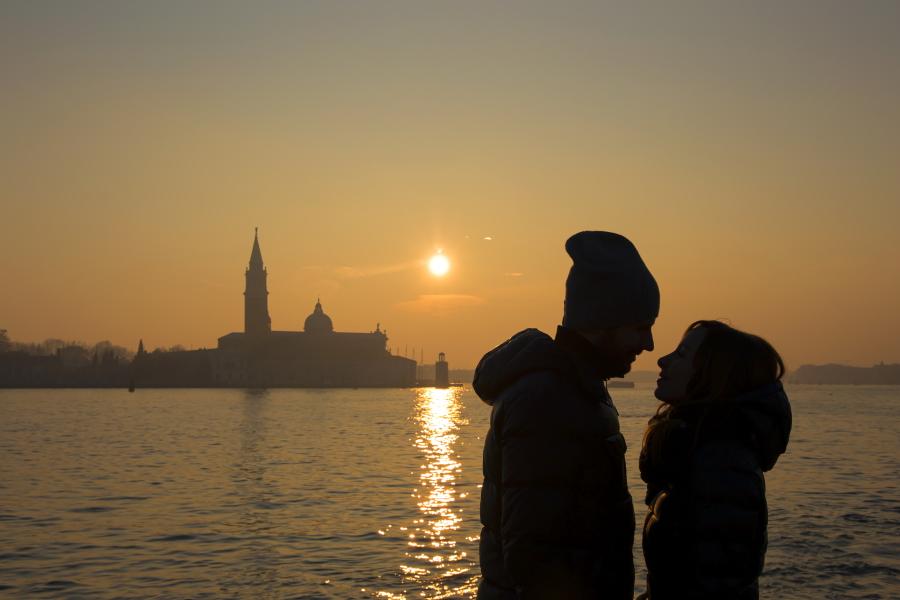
880	374
51	346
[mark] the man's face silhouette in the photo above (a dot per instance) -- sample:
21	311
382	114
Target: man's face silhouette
617	347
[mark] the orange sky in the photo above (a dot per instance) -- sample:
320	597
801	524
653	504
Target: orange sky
750	153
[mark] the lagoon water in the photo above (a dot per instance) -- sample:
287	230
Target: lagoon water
369	493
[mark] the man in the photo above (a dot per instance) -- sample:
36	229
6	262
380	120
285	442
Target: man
556	513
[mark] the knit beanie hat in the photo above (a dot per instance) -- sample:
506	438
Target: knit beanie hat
608	285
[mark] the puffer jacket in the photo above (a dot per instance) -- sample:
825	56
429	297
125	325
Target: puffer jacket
705	533
557	517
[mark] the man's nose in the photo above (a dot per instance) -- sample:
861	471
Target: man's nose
648	343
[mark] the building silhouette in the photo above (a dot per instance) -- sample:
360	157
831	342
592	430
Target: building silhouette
441	372
318	356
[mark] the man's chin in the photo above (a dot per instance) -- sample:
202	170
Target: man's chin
617	372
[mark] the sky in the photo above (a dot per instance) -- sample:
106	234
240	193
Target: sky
749	150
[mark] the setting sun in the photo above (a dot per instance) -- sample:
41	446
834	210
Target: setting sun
439	265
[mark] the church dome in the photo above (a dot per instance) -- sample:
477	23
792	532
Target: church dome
318	321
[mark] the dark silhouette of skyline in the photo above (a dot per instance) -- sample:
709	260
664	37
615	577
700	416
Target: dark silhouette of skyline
318	356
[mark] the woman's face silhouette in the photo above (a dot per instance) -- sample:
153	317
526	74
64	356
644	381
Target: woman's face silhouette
677	368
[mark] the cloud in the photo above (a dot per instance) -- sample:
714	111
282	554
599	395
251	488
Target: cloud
514	274
440	304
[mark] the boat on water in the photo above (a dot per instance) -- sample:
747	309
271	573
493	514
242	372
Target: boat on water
620	384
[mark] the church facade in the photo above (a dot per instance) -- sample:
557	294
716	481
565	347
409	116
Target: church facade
318	356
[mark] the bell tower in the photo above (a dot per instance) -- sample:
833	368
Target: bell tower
256	296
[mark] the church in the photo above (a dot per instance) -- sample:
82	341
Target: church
318	356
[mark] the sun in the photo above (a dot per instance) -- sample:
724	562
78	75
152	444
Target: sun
439	264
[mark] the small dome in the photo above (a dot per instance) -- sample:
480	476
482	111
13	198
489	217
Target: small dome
318	321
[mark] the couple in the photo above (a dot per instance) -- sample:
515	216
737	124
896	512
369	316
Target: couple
557	517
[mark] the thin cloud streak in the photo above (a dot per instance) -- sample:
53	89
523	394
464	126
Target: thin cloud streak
349	272
440	304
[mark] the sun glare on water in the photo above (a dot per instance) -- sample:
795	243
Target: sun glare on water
439	265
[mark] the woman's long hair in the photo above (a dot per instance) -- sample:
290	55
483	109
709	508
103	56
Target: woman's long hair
728	363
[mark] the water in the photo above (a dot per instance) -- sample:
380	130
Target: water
368	493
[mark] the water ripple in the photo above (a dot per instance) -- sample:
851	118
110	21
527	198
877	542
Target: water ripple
340	494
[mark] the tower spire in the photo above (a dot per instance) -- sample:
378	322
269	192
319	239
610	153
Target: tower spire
256	261
256	303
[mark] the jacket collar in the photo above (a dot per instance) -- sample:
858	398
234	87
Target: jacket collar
584	358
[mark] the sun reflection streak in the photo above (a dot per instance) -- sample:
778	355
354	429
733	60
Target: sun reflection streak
435	565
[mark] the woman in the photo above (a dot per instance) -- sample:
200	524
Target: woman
724	420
